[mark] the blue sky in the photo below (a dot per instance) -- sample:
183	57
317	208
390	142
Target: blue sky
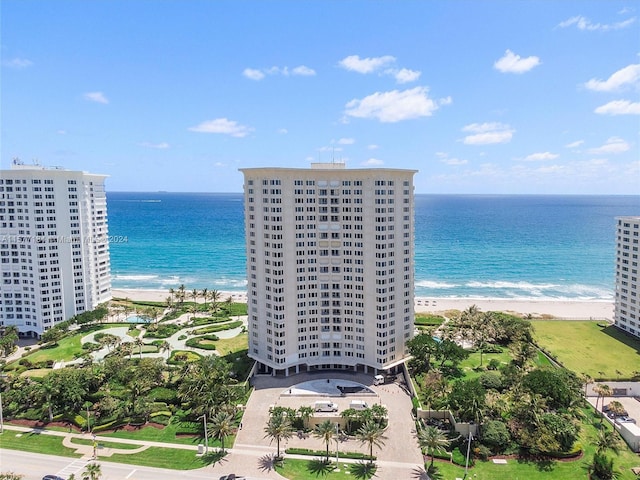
479	96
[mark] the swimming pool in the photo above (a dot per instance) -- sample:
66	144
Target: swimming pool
136	319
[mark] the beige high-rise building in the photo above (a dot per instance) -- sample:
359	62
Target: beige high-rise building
54	249
627	310
330	267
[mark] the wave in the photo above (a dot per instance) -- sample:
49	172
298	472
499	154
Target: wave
435	285
134	278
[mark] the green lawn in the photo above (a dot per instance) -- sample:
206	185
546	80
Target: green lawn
232	345
167	435
37	443
473	361
65	350
294	469
586	348
103	444
161	458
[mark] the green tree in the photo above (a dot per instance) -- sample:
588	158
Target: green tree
11	476
607	440
468	400
325	431
305	412
601	467
433	440
278	428
222	425
372	433
421	348
496	435
8	339
92	471
558	386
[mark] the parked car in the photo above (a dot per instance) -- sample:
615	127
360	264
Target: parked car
52	477
231	476
611	414
626	419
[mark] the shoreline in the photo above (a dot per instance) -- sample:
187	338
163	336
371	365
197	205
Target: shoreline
560	308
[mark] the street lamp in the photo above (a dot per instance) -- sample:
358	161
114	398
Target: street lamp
466	466
206	436
1	416
337	449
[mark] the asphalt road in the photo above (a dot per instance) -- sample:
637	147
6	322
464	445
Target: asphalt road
34	466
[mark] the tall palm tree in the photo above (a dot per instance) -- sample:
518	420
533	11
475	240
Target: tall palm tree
205	296
172	293
165	347
214	295
195	294
433	440
181	294
278	428
139	343
373	434
92	472
325	431
349	414
605	391
221	426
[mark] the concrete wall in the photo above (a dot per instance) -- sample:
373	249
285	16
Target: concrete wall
463	428
631	434
632	388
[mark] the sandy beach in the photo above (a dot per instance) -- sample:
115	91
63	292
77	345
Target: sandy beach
564	309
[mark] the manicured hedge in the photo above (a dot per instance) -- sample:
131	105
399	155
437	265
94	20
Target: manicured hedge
323	453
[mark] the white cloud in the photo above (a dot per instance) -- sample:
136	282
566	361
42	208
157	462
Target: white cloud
354	63
575	144
404	75
454	161
159	146
259	74
346	141
619	107
540	157
253	74
583	23
219	164
61	132
224	126
487	133
445	101
373	146
393	106
304	71
512	63
629	75
283	131
612	145
97	97
17	63
372	162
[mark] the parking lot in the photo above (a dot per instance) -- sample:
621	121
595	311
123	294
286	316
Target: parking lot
400	443
631	405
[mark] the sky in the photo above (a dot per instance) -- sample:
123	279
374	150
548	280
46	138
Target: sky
486	97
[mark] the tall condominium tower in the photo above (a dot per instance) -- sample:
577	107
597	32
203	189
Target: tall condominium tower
330	267
627	310
54	250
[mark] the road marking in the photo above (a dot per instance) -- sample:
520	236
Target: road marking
132	472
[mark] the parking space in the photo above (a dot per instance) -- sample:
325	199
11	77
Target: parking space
630	404
400	443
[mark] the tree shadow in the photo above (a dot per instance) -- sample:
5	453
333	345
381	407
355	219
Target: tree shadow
214	457
420	474
542	464
363	470
267	463
320	466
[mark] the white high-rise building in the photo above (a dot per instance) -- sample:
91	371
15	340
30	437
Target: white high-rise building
627	310
54	250
330	267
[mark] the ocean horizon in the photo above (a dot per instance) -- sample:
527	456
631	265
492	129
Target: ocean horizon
541	247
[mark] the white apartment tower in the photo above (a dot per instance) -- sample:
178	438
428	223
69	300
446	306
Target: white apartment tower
54	250
330	267
627	311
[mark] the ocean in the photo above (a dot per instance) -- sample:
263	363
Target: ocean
480	246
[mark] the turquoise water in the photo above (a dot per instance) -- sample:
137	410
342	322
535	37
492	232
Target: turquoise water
136	319
491	246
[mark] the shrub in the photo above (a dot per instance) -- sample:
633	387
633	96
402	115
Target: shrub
195	342
482	452
162	394
496	435
491	380
494	364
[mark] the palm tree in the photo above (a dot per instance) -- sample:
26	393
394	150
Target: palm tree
379	413
325	431
305	412
222	426
349	414
373	434
617	409
92	472
205	296
181	294
605	391
139	343
433	440
278	428
214	295
172	293
607	440
165	347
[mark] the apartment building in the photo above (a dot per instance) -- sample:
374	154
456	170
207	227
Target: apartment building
330	267
627	311
54	250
